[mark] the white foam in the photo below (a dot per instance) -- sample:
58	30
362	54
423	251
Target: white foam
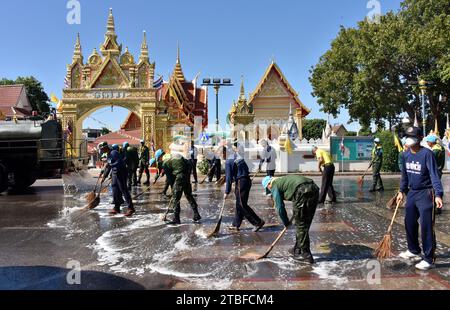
327	271
178	274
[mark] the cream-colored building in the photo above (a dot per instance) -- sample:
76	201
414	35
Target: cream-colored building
266	112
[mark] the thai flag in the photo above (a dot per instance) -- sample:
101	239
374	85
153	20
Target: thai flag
342	147
66	82
158	84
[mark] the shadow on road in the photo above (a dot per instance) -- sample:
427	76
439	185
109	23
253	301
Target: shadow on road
54	278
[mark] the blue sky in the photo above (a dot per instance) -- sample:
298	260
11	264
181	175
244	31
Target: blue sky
217	38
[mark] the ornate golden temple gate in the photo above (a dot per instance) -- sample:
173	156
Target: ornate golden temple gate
112	79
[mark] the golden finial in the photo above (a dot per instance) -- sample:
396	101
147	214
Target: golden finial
144	48
178	72
111	26
242	94
77	53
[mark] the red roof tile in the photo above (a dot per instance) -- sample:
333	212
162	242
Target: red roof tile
10	94
120	137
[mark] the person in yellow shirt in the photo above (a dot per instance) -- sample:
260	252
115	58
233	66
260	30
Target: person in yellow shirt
326	166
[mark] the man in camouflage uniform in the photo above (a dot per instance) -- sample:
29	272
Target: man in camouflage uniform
304	194
144	163
180	169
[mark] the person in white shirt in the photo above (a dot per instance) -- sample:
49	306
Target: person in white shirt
269	157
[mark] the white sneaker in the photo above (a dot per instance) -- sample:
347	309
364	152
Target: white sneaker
424	265
409	255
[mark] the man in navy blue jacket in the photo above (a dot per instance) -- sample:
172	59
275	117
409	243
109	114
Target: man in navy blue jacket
422	186
118	170
236	171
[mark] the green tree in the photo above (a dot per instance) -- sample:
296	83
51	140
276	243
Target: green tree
105	131
390	152
365	131
35	92
370	69
313	128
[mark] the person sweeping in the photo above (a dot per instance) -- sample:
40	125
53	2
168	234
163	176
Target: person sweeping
179	167
421	185
237	172
144	158
377	162
304	194
268	156
439	155
326	167
116	167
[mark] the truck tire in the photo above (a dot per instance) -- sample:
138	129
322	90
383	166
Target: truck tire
23	180
3	179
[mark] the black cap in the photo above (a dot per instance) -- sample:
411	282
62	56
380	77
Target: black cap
414	132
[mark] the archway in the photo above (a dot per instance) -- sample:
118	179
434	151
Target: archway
111	124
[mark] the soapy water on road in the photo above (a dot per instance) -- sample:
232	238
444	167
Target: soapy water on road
144	245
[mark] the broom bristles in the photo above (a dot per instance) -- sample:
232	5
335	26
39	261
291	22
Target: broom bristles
392	203
90	196
384	250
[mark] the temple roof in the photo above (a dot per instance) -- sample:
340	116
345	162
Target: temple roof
273	67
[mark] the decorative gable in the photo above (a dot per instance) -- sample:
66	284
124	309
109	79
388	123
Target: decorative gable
110	76
273	87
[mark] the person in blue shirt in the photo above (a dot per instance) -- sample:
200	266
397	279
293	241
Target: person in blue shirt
237	172
116	167
421	185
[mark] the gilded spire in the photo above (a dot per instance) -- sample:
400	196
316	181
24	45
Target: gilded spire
242	95
110	46
144	48
111	26
178	72
77	53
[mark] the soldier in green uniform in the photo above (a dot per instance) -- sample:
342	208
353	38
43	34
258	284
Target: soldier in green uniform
144	163
304	194
439	154
377	162
438	151
180	169
170	178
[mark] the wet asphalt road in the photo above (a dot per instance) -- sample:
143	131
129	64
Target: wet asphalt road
44	229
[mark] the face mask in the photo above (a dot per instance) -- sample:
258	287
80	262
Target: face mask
411	141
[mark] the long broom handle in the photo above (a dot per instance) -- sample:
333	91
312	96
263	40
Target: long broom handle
256	174
278	238
210	170
96	184
394	216
364	174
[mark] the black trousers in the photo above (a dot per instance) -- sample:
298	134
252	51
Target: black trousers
243	210
327	184
132	177
194	169
376	173
216	170
120	191
143	167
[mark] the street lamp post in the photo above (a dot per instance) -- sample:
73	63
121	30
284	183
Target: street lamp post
423	85
217	84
